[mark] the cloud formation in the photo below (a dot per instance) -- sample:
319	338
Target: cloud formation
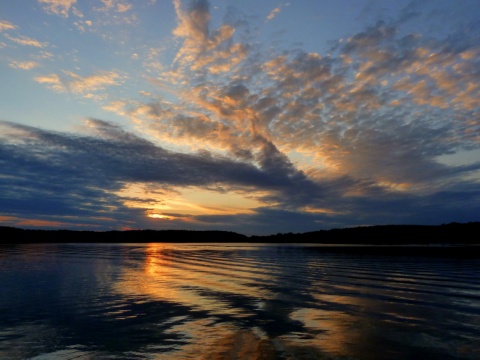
275	12
357	134
6	25
26	41
58	7
375	108
24	65
77	174
70	81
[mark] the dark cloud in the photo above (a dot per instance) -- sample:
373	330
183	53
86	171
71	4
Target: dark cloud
52	174
58	176
114	154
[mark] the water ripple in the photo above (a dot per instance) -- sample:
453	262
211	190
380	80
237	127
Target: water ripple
234	301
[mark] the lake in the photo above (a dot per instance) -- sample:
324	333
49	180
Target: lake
234	301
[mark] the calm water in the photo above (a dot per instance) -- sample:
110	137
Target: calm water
234	301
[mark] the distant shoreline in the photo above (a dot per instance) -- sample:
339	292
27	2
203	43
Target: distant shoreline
445	234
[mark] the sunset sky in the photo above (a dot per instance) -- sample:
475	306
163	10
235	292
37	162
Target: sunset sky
257	117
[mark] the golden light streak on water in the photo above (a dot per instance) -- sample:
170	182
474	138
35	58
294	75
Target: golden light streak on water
234	302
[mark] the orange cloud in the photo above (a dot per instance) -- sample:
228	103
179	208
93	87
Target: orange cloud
93	82
58	7
6	25
26	41
40	223
53	81
24	65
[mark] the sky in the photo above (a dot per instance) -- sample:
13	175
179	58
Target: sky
258	117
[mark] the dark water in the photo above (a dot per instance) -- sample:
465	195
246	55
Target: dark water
234	301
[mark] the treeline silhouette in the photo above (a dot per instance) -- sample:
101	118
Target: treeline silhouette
452	233
16	235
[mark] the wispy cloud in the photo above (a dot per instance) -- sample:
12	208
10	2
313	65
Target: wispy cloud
58	7
275	12
24	65
6	25
26	41
116	5
65	8
53	81
100	81
77	84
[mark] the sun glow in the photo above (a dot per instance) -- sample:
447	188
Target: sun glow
326	211
159	216
172	203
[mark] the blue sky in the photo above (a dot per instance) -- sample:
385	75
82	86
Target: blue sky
252	116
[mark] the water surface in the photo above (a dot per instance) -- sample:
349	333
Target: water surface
234	301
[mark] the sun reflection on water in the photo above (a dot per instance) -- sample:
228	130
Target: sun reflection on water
225	302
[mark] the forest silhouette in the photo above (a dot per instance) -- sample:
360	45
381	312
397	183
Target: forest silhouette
445	234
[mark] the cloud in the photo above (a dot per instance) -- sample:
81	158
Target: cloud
58	7
6	25
351	136
24	65
127	157
372	116
53	176
117	5
53	81
26	41
80	174
273	14
77	84
201	45
342	110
